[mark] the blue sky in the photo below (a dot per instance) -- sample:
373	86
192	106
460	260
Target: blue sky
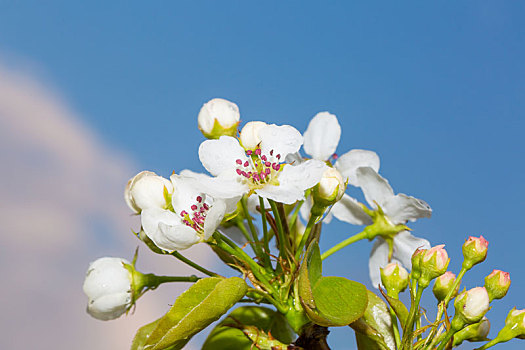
437	89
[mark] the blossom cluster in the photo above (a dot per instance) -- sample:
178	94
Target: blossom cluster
291	183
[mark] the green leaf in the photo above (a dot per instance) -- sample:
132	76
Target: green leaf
399	308
142	335
231	332
203	303
329	301
375	325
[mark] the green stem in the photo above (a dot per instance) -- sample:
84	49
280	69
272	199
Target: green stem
443	306
409	326
266	240
346	242
395	327
491	343
245	233
256	247
194	265
306	234
446	339
279	223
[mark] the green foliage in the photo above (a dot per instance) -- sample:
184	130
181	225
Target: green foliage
399	308
329	301
234	331
374	329
195	309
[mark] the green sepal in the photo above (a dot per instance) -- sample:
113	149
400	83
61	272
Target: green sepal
236	331
399	308
329	301
203	303
218	130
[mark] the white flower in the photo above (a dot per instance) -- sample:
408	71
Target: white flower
261	170
331	183
147	190
194	218
320	142
218	117
108	287
404	246
398	209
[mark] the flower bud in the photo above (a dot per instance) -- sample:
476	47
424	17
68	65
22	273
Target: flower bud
472	305
147	190
218	117
416	263
497	284
474	332
108	285
516	320
330	189
433	264
250	134
443	285
395	279
474	251
514	328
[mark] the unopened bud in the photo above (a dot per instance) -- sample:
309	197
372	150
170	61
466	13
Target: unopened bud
395	279
443	286
433	264
514	328
330	189
218	117
497	284
250	134
416	263
474	251
108	285
471	305
147	190
474	332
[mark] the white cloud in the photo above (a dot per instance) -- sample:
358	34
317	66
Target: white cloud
62	206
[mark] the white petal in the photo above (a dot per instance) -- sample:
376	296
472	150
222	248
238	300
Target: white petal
378	259
231	204
185	193
374	186
294	158
226	185
402	208
109	306
348	163
106	276
286	195
322	136
175	237
220	155
349	210
166	230
253	203
146	190
214	218
283	140
405	245
306	208
303	176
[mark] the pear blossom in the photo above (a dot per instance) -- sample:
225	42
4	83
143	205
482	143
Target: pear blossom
147	190
108	285
258	166
321	139
194	218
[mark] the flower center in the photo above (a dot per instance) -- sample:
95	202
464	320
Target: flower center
195	218
260	169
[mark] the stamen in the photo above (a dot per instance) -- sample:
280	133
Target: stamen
249	152
258	152
199	199
238	161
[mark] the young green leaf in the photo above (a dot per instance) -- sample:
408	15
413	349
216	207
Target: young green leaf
329	301
233	331
399	308
203	303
